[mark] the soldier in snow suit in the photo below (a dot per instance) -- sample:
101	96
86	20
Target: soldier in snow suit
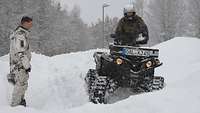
20	57
130	28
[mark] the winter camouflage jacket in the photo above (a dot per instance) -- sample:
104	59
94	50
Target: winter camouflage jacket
129	29
20	55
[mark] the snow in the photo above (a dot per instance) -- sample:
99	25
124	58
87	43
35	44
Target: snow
56	84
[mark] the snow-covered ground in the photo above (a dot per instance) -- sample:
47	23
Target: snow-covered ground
56	83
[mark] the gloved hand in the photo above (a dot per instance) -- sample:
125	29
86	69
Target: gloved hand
116	41
11	78
28	70
141	39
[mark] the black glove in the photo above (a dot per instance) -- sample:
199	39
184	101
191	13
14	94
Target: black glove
11	78
28	70
116	41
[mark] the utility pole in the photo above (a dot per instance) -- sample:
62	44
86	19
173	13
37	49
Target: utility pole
103	25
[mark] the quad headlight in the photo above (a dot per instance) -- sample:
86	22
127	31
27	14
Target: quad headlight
119	61
149	64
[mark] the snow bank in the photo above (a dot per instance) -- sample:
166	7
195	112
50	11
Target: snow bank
56	83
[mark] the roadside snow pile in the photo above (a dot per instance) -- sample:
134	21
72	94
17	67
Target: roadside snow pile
56	84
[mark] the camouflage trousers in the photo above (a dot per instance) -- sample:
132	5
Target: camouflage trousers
20	87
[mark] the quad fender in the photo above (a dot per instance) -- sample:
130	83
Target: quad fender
98	56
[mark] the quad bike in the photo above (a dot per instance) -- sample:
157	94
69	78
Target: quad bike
126	67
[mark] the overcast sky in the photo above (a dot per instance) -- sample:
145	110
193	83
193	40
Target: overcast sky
91	10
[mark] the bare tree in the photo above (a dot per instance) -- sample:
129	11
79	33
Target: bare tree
193	7
162	17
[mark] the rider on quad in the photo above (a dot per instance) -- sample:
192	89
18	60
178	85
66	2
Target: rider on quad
126	65
131	29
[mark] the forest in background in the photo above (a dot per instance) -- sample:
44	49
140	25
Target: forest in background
57	30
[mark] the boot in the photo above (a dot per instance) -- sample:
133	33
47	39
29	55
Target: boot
23	102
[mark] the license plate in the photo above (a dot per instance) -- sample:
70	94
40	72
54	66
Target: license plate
139	52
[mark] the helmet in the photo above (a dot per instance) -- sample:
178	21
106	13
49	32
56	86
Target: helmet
129	9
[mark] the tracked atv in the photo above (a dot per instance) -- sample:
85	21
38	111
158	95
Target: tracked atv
125	67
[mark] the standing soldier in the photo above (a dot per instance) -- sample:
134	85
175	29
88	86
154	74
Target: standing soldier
20	57
130	28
